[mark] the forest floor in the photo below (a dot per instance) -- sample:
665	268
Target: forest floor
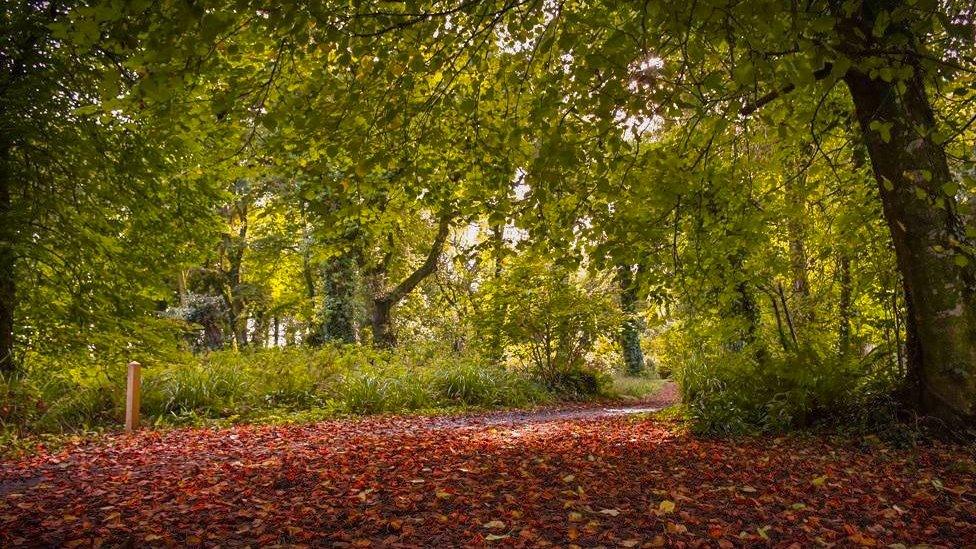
586	475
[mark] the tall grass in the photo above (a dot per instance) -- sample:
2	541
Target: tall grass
71	393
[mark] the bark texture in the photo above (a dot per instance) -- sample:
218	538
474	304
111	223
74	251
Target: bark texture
911	171
631	327
339	311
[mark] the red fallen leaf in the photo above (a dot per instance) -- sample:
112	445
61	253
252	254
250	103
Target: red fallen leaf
300	484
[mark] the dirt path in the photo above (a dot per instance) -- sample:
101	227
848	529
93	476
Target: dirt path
666	396
585	475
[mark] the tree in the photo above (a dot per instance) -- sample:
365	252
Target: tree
935	250
384	300
85	182
630	329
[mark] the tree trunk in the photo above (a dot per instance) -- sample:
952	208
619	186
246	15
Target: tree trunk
796	229
382	323
844	304
630	330
8	282
383	303
234	246
337	319
745	308
783	342
181	288
788	315
259	336
496	340
939	277
896	315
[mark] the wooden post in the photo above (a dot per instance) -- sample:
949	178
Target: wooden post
132	398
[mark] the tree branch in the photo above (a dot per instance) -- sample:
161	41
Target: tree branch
427	267
819	74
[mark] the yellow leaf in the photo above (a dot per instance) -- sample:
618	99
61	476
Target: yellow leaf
666	506
494	524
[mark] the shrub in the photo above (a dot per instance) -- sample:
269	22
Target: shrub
735	391
366	393
200	387
20	402
482	385
72	391
548	316
578	383
468	385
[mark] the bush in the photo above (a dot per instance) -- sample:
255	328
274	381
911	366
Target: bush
732	392
548	317
67	392
20	402
367	393
580	383
206	389
483	385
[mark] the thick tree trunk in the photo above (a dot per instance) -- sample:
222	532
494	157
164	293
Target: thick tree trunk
382	323
236	317
8	282
939	277
744	307
259	336
630	329
337	320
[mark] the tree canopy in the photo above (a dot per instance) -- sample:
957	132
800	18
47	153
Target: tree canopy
773	201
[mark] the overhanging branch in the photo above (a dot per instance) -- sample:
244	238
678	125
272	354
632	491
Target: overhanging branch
749	108
427	267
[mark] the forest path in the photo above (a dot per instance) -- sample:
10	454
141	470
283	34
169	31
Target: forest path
591	475
660	399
